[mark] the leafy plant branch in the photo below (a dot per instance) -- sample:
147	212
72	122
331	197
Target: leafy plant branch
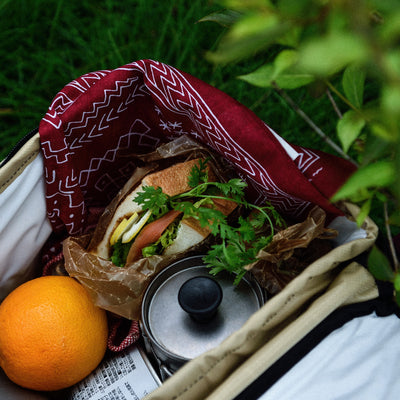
311	123
390	238
334	104
353	44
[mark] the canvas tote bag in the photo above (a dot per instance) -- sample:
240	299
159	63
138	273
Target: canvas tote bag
60	178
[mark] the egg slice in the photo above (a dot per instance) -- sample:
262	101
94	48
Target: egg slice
122	227
131	231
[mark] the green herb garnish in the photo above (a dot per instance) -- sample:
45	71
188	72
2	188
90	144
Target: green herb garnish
153	199
237	245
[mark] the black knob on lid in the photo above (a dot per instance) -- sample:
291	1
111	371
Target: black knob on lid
200	297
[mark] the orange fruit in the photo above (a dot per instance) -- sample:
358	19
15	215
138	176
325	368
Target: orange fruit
51	333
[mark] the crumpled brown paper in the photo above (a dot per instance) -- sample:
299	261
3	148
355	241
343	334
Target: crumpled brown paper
291	250
119	290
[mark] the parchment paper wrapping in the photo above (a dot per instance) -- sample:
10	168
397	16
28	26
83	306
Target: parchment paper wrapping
291	250
119	290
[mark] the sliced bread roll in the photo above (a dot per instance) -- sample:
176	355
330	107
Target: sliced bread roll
173	180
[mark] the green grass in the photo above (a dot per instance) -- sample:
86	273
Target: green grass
46	44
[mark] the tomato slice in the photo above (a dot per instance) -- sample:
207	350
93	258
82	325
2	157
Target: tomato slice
150	234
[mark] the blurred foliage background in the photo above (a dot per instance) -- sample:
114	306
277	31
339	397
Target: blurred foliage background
46	44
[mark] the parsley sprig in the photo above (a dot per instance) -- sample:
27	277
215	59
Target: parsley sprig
237	244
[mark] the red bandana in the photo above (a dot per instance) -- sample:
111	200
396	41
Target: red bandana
95	122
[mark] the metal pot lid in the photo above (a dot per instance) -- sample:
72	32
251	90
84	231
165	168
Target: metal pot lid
182	327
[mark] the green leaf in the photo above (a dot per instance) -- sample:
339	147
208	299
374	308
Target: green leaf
154	199
246	230
234	187
349	128
362	195
379	265
261	77
253	25
284	60
329	54
389	32
396	282
378	174
353	84
283	71
198	174
390	99
364	211
225	18
391	61
293	80
248	36
384	132
247	5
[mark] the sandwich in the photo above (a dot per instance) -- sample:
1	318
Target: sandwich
150	220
